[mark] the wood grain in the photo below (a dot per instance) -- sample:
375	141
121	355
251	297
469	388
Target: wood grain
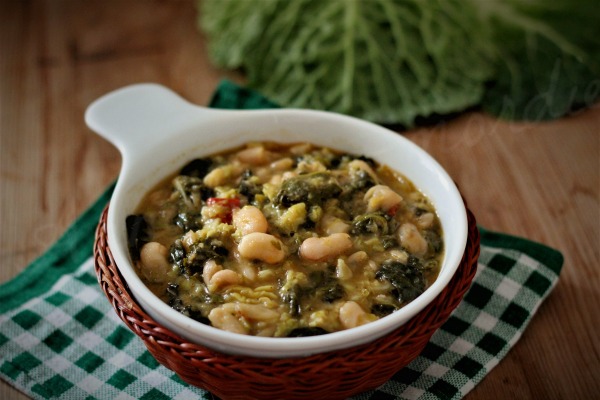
536	180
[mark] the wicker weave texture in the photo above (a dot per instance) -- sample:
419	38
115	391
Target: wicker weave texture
333	375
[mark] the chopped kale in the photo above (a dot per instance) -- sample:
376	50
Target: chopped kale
250	185
307	331
177	255
326	285
192	261
389	241
137	234
434	241
197	168
414	262
192	191
407	279
292	298
195	263
346	158
177	304
188	221
324	158
312	189
371	223
332	291
197	315
174	299
381	310
322	285
361	180
368	160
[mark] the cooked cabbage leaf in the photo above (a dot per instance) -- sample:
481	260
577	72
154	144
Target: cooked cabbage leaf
394	61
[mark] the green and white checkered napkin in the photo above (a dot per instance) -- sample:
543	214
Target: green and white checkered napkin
60	338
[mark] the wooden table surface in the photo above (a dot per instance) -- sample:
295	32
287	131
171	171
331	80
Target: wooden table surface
536	180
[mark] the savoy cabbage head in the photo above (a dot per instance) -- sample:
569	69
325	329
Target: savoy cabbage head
393	61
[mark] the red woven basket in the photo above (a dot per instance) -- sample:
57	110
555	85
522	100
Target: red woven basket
333	375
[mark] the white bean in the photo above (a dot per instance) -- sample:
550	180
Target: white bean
411	239
261	246
361	165
223	278
249	219
189	239
331	224
248	270
352	315
231	316
372	265
256	155
322	248
220	175
399	255
282	164
223	318
288	175
266	331
210	268
300	149
276	179
358	258
425	220
153	256
381	197
256	312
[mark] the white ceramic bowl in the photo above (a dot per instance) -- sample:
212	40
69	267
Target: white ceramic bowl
157	132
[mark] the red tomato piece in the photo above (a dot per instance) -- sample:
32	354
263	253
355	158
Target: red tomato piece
229	204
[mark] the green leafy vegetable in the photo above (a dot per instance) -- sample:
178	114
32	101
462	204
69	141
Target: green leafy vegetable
307	331
381	60
407	279
370	223
137	234
192	261
313	188
397	61
548	57
323	285
250	185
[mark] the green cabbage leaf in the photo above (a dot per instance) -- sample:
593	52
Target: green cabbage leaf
398	61
548	57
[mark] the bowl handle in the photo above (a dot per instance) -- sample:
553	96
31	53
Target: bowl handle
135	116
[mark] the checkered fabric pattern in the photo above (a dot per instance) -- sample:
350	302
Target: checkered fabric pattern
60	338
234	97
